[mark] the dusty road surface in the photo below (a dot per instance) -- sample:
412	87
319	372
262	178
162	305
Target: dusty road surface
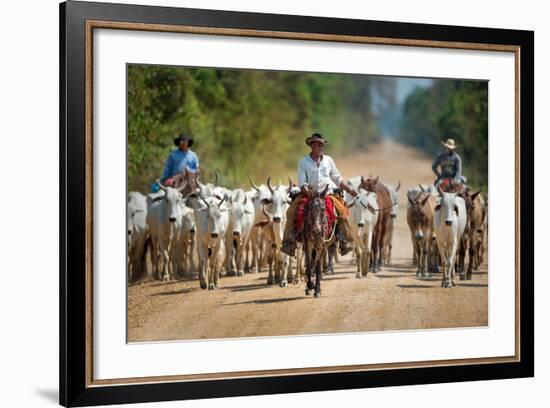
392	299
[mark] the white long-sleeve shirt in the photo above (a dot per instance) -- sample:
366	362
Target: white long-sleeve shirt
318	177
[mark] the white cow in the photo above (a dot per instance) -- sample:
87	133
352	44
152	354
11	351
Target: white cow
241	219
136	223
184	245
211	218
449	224
275	210
363	217
388	242
260	196
164	216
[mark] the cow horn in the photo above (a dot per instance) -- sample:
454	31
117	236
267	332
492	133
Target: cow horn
199	183
376	180
160	185
216	181
204	201
269	184
425	199
221	202
290	183
254	186
398	186
421	188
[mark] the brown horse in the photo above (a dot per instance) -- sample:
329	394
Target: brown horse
186	182
318	235
385	204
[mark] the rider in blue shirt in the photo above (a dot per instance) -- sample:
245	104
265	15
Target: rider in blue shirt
180	159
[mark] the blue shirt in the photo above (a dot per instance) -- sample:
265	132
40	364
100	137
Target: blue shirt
178	162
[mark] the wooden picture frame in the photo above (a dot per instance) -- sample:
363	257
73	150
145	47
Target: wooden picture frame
78	20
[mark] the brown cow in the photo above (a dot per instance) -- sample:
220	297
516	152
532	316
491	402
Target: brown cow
385	204
475	207
420	213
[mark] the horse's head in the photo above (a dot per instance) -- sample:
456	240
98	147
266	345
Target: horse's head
316	219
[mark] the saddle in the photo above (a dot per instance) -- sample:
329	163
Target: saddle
330	213
447	186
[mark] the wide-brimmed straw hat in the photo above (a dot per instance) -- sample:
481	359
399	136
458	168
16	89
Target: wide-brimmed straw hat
316	137
449	144
182	137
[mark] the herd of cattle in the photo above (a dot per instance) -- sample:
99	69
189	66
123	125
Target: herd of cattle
238	231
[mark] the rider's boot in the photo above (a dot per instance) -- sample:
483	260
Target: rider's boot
289	245
344	247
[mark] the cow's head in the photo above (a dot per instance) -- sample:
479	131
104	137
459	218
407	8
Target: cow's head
240	209
449	208
260	194
369	183
208	216
276	206
133	209
363	207
469	199
171	199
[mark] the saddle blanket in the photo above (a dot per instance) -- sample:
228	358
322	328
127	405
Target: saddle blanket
329	212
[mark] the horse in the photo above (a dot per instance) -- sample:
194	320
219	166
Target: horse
318	235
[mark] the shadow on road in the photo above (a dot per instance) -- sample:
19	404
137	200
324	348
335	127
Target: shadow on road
473	285
266	301
387	276
244	288
414	286
175	292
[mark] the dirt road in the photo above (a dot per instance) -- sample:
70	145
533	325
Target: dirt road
394	298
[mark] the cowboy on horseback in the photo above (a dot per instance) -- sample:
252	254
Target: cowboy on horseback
450	166
317	171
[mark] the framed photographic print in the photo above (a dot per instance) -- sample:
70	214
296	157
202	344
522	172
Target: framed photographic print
256	203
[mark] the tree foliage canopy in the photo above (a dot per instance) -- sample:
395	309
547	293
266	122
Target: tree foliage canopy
244	122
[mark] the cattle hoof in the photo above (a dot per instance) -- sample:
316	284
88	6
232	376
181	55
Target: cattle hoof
358	275
308	292
296	281
203	285
317	294
284	284
240	273
365	274
270	281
